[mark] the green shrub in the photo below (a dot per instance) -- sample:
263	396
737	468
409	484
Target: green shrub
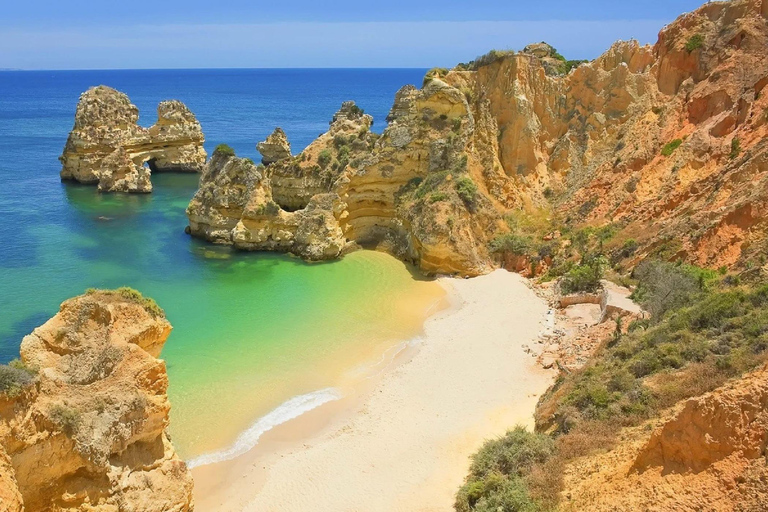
695	42
511	243
497	475
467	190
66	418
225	150
584	277
324	158
14	377
670	147
437	197
735	148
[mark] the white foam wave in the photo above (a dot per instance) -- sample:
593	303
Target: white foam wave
287	411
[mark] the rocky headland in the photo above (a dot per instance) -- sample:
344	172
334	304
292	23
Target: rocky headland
84	412
666	142
107	146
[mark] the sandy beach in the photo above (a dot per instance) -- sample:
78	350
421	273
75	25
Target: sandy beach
402	441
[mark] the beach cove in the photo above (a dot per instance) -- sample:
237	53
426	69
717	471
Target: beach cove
402	442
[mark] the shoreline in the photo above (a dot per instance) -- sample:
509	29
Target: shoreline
400	438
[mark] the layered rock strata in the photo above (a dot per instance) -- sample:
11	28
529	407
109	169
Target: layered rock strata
708	453
667	142
91	432
107	146
400	191
275	148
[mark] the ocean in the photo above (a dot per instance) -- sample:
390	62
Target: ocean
257	337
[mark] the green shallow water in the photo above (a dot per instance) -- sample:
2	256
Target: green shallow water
250	330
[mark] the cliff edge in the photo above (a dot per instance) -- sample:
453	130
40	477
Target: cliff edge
89	431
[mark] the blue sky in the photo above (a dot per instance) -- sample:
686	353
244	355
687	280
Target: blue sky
80	34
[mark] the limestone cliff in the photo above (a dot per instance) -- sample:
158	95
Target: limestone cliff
666	142
108	147
90	433
408	190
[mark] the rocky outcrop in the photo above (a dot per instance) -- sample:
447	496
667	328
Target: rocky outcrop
407	191
234	205
706	454
91	432
712	428
275	148
107	147
669	143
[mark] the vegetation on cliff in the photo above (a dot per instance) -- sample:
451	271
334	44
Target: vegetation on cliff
707	327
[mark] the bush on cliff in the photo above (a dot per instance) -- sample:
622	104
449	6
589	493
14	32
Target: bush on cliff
670	147
225	150
467	190
14	377
132	295
695	42
324	158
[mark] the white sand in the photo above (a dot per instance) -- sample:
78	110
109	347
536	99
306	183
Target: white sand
405	444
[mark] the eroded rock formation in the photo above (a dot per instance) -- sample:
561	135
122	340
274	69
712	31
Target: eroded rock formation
408	190
108	147
275	147
706	454
91	432
667	142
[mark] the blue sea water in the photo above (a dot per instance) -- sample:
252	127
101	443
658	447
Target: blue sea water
241	321
239	107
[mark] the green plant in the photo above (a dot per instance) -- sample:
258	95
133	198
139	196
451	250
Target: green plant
225	150
695	42
437	197
66	418
584	277
467	190
735	148
670	147
499	472
511	243
324	158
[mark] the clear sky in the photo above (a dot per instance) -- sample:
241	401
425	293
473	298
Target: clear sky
88	34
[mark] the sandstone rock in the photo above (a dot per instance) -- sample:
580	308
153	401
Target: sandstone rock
351	186
712	427
234	205
517	130
107	146
275	148
91	434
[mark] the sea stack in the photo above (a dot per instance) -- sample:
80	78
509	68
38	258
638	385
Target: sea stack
85	426
107	147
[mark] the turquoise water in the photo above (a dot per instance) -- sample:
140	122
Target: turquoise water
250	330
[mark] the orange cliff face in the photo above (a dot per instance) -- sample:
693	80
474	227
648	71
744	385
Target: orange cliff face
90	433
596	137
708	453
665	141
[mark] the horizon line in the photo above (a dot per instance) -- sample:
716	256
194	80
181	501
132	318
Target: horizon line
319	68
